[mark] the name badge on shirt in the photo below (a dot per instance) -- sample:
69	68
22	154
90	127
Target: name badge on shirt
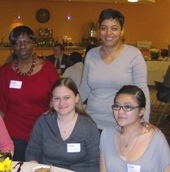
73	147
62	66
133	168
15	84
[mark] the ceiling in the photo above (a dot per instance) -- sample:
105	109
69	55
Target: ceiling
111	1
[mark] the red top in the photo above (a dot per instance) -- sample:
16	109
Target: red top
27	98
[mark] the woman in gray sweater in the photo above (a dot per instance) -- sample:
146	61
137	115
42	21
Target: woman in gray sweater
128	145
66	137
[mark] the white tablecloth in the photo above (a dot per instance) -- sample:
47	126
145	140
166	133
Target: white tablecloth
156	71
28	167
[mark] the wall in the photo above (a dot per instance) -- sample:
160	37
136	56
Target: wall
143	21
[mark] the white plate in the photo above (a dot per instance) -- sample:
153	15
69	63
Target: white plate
40	166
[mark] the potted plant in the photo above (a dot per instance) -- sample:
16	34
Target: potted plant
154	53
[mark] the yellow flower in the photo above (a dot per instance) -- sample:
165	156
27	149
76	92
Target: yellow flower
6	165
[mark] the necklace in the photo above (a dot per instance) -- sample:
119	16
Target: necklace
127	144
65	128
26	73
68	127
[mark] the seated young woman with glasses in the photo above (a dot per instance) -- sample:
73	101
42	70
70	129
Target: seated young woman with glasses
129	147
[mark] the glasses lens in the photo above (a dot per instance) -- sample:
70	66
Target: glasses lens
25	42
115	107
127	108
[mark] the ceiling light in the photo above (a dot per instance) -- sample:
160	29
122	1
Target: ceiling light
132	0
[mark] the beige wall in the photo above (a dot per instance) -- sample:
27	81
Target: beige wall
143	21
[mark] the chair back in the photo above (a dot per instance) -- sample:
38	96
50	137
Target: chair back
163	92
166	80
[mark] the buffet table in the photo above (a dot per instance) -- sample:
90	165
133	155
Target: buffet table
156	70
31	167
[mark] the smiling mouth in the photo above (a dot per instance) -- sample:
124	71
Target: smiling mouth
23	52
121	117
109	39
62	107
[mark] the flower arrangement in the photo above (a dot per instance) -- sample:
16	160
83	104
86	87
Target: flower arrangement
45	32
154	53
90	35
67	40
93	25
154	50
5	162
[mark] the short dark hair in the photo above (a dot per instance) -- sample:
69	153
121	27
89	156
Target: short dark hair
111	14
75	57
59	45
21	30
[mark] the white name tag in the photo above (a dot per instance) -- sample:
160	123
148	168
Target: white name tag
73	147
133	168
62	66
15	84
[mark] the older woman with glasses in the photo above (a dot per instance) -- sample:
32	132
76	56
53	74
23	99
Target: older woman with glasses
129	147
25	84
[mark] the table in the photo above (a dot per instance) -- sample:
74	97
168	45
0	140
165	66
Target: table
28	167
156	70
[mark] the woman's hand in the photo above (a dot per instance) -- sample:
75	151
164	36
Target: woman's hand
148	126
48	111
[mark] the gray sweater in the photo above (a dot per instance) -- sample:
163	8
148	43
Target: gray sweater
101	81
154	159
47	147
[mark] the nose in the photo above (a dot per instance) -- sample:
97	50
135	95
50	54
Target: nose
61	101
109	31
121	109
22	44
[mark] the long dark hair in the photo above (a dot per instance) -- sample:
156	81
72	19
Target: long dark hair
69	83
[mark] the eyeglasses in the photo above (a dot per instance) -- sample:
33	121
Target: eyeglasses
126	108
18	43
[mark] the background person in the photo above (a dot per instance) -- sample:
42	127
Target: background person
88	48
59	59
67	137
75	70
25	84
110	66
122	145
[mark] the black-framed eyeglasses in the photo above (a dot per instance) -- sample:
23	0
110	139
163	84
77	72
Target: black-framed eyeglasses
126	108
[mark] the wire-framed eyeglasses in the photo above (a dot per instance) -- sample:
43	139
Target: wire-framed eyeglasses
19	43
126	108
